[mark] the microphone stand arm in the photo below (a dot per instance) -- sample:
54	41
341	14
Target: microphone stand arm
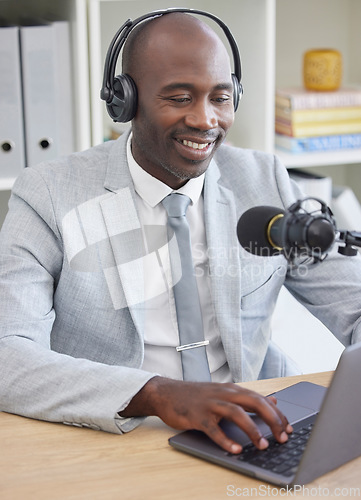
351	239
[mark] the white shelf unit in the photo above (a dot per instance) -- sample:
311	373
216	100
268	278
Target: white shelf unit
272	36
74	11
319	159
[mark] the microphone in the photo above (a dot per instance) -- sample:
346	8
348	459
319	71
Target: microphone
267	231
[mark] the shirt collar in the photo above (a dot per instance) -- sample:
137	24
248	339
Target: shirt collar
152	190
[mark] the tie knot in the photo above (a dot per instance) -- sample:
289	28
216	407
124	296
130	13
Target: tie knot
176	204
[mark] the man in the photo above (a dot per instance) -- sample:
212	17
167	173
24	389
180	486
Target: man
88	334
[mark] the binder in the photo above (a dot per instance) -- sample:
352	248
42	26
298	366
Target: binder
47	91
12	149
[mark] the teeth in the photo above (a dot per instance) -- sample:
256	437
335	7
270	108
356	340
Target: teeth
195	145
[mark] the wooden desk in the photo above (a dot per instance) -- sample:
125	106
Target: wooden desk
41	460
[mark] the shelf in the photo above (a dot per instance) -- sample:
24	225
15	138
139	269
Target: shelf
317	159
313	24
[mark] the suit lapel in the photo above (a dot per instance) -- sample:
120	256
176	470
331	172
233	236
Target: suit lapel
125	277
225	272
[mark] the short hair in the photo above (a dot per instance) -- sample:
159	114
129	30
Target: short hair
141	34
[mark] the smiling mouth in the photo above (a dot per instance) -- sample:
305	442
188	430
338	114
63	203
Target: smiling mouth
194	145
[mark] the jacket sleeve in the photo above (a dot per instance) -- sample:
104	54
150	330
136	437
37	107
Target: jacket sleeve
36	381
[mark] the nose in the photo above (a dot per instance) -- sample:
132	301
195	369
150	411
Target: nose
201	115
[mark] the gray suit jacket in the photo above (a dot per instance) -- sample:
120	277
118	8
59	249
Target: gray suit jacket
71	284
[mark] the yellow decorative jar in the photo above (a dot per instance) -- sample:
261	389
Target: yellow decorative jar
322	69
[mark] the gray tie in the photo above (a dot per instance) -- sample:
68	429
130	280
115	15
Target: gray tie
189	316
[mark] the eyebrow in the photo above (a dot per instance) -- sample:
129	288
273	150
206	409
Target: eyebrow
191	86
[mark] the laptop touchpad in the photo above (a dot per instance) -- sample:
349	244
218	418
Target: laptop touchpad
296	402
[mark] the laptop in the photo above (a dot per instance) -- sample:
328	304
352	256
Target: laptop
327	431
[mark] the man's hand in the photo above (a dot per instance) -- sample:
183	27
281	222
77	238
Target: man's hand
201	406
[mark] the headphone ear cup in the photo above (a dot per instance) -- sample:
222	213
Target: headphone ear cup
237	91
123	105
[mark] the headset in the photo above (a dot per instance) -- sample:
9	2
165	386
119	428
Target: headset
120	92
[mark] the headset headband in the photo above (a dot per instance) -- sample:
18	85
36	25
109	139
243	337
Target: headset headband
107	92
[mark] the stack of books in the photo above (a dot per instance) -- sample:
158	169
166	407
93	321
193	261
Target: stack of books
308	121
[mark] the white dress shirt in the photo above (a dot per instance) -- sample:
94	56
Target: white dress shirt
161	331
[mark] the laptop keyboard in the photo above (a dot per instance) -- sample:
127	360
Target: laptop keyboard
279	458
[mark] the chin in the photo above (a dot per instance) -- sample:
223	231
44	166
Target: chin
186	175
